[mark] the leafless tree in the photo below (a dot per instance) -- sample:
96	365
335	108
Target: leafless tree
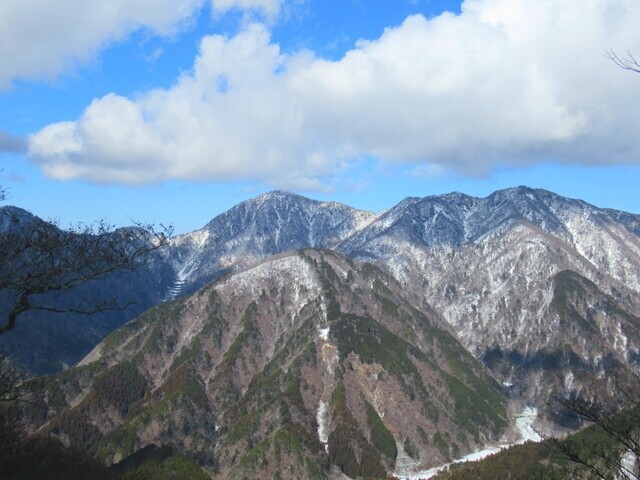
626	63
40	261
615	452
43	267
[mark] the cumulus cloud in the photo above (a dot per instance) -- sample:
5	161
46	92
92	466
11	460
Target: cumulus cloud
40	38
504	83
232	110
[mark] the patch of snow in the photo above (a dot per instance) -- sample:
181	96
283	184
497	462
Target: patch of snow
569	385
611	249
191	264
190	332
404	463
363	219
175	289
472	457
323	309
321	418
324	333
620	341
475	456
524	425
627	466
291	272
330	361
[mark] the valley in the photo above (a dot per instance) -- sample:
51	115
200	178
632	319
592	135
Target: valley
291	338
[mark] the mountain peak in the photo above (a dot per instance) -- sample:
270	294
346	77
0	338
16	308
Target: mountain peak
11	216
271	223
279	195
298	341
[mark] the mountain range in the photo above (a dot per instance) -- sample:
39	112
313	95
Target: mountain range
291	332
304	363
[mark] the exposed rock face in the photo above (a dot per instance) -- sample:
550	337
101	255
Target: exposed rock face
304	364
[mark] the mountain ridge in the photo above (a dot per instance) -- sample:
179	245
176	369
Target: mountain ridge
486	265
523	295
299	365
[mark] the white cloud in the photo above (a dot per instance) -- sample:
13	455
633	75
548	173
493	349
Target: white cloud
271	8
214	123
41	38
507	82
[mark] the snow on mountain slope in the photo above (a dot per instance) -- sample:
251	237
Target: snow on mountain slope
302	364
272	223
490	266
494	268
526	433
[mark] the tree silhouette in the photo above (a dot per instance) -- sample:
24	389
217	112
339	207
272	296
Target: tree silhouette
42	266
611	447
39	261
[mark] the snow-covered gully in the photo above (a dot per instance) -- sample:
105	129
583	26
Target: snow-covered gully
524	425
330	361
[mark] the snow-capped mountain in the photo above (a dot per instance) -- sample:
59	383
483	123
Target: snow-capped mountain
543	290
517	275
497	269
455	219
275	222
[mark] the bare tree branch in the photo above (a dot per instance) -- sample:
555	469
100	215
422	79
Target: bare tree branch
38	259
615	433
626	63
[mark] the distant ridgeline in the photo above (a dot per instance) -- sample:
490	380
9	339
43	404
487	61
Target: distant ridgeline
292	338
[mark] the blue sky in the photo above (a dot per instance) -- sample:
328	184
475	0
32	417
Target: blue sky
172	111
